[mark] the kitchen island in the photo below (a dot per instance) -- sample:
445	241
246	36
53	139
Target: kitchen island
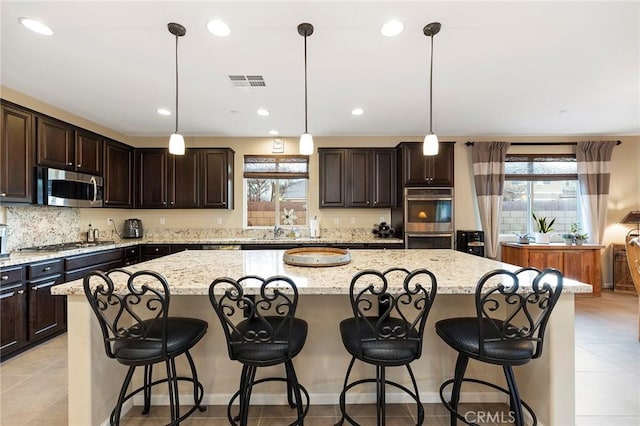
547	384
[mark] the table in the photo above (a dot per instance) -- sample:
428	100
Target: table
547	384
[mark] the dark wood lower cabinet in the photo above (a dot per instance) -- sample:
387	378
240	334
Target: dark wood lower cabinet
13	299
47	313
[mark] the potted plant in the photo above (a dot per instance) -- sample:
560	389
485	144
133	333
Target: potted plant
545	225
581	238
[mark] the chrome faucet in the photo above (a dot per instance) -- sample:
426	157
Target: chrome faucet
277	231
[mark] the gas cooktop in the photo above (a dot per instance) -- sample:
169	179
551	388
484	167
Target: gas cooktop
63	246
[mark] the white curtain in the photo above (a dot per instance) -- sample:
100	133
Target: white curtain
488	172
594	162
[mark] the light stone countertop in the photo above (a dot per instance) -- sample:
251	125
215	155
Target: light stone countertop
191	272
18	258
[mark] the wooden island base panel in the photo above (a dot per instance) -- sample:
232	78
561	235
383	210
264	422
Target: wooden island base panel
547	383
581	263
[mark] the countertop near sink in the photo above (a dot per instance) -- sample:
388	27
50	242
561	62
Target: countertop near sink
17	258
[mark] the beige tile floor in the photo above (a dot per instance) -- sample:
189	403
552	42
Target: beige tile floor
34	384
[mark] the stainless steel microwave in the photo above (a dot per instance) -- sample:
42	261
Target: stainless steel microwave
69	189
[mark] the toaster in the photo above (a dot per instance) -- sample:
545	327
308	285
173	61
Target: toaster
132	228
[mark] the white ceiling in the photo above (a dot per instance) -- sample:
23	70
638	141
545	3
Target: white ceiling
500	68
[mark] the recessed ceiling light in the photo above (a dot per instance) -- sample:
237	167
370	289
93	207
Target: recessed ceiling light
357	111
392	28
218	28
163	111
274	132
36	26
263	112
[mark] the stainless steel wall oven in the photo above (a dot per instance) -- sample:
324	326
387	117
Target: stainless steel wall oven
428	217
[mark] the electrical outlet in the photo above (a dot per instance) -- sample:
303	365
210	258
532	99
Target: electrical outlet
219	220
353	220
162	221
382	219
110	221
336	221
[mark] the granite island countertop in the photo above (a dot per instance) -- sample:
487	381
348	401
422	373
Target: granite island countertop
191	272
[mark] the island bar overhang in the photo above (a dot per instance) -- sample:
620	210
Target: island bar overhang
547	384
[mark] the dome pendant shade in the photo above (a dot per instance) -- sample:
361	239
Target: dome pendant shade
176	141
430	146
306	144
176	144
306	140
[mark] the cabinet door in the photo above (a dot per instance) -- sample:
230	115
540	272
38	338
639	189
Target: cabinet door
151	189
421	170
46	311
118	175
358	178
13	331
441	167
216	178
56	144
16	156
183	180
384	178
88	152
332	178
545	259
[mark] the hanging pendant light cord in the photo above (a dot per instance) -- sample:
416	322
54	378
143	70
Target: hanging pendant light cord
431	90
176	84
305	84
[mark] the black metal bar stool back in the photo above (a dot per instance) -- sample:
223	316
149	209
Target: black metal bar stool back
138	331
261	330
386	329
508	330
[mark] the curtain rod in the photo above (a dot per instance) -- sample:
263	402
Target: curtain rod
541	143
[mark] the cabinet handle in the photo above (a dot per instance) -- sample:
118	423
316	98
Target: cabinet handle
3	194
173	202
79	165
47	268
157	249
69	164
20	291
4	277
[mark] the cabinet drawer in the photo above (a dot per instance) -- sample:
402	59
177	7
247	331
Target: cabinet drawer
43	269
131	252
11	275
156	250
85	260
80	273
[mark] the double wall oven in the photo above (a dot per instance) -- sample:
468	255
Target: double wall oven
428	218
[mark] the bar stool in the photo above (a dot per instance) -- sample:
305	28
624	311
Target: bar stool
138	331
269	335
508	330
391	338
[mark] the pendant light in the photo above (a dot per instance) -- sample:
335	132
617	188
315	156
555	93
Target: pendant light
430	146
176	141
306	140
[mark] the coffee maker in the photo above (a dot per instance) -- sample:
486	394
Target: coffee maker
4	230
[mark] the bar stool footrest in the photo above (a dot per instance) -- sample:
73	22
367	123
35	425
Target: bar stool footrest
196	405
408	391
448	406
233	419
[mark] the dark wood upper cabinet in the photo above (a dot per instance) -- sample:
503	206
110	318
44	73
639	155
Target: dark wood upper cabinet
16	155
417	169
63	146
88	156
151	184
216	178
358	177
56	144
384	177
118	174
332	177
183	180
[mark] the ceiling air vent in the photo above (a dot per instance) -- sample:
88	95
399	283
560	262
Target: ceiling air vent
247	81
